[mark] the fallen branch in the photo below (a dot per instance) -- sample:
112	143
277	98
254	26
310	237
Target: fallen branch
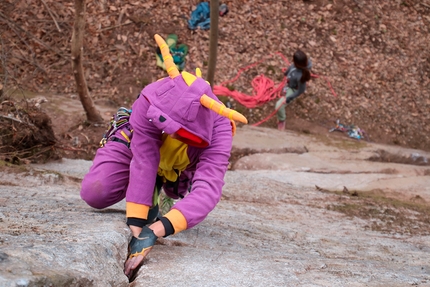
52	16
43	150
44	20
132	47
425	5
113	27
20	152
13	119
88	140
7	102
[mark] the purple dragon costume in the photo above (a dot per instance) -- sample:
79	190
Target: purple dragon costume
140	155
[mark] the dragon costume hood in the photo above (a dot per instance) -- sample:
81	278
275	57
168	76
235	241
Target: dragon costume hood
184	104
176	108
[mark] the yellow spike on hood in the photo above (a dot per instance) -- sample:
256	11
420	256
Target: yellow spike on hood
188	78
222	110
171	68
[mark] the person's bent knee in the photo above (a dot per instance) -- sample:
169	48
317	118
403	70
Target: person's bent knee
94	195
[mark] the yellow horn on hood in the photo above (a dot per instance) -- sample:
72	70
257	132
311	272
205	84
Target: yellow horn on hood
171	68
222	110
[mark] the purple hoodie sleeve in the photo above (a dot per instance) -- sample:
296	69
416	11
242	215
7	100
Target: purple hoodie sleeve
145	147
209	175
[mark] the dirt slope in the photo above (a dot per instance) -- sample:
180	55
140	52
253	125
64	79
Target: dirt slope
373	53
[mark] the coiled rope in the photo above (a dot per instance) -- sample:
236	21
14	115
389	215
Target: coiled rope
264	89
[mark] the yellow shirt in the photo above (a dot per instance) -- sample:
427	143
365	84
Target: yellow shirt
173	156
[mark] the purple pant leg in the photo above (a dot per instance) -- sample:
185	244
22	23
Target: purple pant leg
106	182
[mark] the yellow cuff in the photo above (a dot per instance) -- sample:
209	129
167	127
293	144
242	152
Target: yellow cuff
136	210
177	219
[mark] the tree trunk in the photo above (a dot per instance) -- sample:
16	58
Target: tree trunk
92	113
213	40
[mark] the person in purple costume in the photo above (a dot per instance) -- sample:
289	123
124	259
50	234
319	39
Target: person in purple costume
170	139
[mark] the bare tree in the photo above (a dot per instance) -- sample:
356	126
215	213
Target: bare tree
213	40
92	113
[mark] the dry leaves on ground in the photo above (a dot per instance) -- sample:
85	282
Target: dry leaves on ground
374	54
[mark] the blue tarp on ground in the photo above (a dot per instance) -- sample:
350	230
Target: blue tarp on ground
200	17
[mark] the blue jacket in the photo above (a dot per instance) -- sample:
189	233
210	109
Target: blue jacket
200	17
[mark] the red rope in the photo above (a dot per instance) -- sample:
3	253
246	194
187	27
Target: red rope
267	118
264	89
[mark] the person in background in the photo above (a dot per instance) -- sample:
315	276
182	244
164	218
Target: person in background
177	137
297	75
